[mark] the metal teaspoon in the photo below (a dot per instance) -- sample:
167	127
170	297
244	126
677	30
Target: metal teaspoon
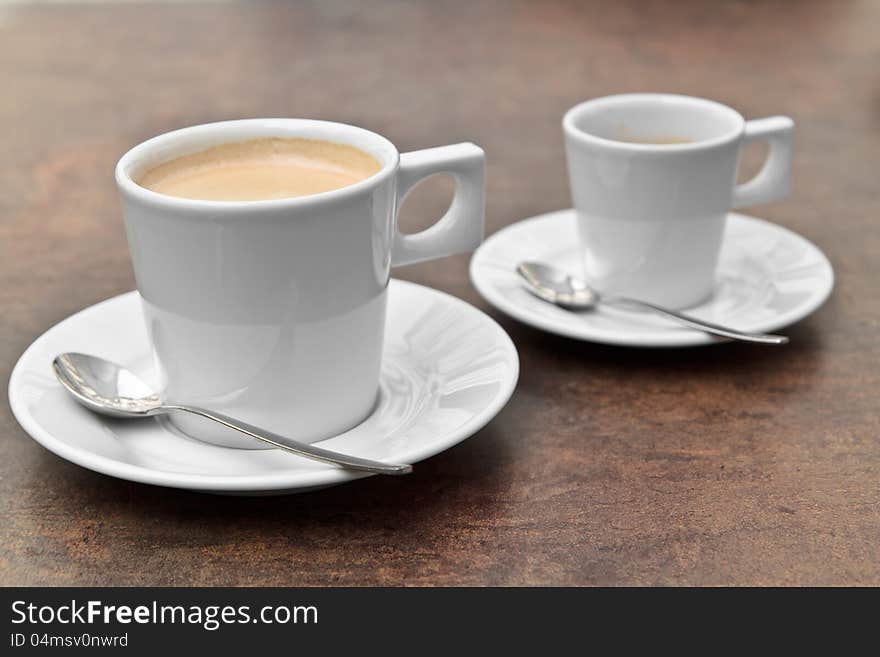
110	389
557	287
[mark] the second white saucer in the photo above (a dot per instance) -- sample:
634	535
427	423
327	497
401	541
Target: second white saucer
768	277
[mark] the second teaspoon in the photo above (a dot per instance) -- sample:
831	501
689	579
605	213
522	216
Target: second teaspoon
557	287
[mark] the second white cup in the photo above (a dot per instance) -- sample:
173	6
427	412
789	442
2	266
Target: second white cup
652	179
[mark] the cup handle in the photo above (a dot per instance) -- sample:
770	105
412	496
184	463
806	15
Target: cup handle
773	181
461	228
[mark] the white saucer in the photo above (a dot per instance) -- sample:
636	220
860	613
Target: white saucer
768	278
448	370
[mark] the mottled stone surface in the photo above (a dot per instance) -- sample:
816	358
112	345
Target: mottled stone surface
723	465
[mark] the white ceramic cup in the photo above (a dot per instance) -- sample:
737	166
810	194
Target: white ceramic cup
651	216
274	311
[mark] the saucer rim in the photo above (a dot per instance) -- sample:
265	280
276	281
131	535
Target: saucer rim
679	337
284	481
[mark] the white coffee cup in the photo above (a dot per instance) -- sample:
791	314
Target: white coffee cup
651	216
274	311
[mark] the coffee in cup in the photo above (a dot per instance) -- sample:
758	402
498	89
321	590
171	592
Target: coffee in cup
261	169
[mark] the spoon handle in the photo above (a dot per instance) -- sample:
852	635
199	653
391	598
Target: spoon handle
294	446
708	327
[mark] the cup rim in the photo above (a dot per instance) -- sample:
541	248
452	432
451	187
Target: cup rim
569	123
133	190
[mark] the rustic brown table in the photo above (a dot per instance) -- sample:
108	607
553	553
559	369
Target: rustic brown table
724	465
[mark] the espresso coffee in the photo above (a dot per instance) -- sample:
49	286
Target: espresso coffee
659	141
261	169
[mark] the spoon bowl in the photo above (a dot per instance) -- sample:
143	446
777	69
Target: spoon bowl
557	286
105	387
